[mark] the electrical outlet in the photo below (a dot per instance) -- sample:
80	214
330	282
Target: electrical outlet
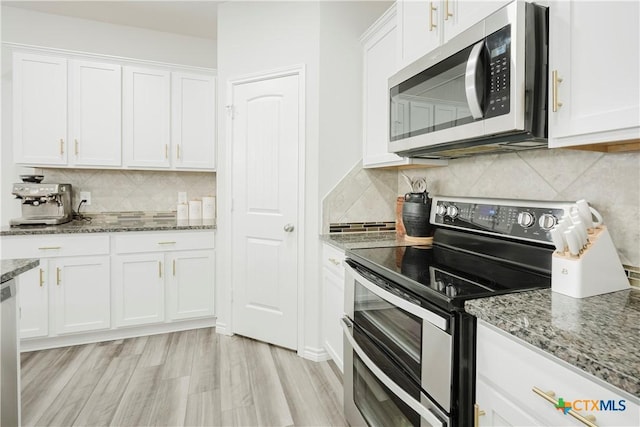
86	195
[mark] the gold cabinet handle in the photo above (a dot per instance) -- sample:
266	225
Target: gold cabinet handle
432	8
58	276
166	151
41	277
174	267
334	261
167	243
447	13
477	413
178	151
549	396
49	248
75	141
555	81
61	146
160	269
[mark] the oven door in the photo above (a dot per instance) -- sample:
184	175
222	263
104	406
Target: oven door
417	339
377	392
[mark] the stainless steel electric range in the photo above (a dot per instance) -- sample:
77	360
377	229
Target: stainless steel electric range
409	345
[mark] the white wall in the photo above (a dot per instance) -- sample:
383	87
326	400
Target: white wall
256	37
63	32
341	25
55	31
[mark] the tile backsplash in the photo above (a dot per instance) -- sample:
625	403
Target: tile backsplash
363	195
610	182
124	190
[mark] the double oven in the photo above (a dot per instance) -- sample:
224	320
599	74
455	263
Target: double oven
409	345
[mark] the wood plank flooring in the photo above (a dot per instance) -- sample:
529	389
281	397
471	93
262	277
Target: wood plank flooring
189	378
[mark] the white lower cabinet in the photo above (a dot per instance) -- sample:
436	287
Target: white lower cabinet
508	371
34	302
81	294
138	286
163	276
142	279
70	290
190	284
332	302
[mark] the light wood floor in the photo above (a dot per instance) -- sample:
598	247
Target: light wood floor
190	378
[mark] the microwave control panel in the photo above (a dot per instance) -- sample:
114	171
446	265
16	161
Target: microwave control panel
498	73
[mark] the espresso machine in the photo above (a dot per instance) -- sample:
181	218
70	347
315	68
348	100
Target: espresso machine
47	204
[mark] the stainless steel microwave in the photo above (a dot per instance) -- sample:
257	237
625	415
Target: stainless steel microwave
484	91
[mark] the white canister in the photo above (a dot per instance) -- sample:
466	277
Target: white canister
182	213
195	210
208	207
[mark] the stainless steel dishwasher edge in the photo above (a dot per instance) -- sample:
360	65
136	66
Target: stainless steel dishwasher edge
9	362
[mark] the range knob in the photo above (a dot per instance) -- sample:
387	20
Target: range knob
547	222
452	291
526	219
441	210
452	211
439	285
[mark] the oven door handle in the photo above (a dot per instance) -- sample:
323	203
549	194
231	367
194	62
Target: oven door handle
409	400
434	319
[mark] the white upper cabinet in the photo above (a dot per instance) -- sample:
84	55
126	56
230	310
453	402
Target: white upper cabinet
193	121
594	81
458	15
73	111
96	114
146	113
39	109
379	63
425	25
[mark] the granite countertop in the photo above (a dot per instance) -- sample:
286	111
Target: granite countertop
345	241
113	222
10	268
599	335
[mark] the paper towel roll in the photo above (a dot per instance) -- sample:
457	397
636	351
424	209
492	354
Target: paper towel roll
195	209
208	207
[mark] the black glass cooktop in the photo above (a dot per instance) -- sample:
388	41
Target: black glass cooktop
458	267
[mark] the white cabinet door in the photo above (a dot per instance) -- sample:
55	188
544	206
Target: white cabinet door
146	114
96	114
34	302
458	15
40	109
499	409
138	281
507	371
193	121
82	293
594	50
190	284
379	64
332	302
419	28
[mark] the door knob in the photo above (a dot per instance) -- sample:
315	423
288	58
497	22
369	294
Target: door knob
288	228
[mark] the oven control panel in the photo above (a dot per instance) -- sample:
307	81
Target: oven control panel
527	220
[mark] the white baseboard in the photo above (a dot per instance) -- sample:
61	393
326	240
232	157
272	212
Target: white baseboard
315	354
113	334
223	329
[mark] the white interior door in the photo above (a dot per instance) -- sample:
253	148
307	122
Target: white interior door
265	137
